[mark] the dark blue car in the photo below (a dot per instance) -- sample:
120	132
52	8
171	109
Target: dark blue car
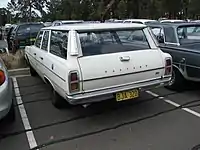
182	41
24	35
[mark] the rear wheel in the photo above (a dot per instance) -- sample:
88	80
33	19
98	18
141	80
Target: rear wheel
58	101
177	80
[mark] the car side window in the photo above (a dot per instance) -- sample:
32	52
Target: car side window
39	39
57	24
170	36
45	41
58	43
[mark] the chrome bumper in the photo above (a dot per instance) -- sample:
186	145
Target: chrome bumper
102	95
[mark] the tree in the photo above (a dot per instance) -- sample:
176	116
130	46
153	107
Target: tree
24	10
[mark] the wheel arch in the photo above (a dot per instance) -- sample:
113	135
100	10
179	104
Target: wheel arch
176	67
48	81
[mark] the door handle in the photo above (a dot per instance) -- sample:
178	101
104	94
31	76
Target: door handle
124	58
41	58
182	60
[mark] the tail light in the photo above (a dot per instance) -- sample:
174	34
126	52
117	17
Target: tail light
74	84
2	77
168	66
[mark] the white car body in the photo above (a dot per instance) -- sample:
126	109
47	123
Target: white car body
100	76
5	93
141	21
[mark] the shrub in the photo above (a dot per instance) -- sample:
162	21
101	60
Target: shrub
14	61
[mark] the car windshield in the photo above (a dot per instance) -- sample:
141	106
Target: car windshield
189	32
30	28
104	42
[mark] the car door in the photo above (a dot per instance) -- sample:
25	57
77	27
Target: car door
43	52
33	51
55	64
192	62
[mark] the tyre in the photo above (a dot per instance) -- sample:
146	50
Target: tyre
32	71
58	101
10	117
177	81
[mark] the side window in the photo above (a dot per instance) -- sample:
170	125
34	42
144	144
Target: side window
138	36
38	39
58	43
158	33
45	41
170	35
57	24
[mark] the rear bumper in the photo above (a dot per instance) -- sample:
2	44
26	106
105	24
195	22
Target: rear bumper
100	95
5	98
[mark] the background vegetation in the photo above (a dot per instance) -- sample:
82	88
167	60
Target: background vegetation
50	10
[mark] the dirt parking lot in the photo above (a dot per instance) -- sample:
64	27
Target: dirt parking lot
159	120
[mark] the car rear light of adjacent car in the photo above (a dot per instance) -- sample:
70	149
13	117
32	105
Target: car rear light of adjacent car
168	66
74	83
2	77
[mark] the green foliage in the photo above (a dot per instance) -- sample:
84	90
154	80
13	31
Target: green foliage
51	10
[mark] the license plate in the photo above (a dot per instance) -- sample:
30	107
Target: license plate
126	95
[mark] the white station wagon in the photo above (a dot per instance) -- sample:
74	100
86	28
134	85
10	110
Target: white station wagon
86	63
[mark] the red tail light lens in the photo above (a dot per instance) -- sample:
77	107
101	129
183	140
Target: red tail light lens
168	66
74	76
2	77
168	62
73	82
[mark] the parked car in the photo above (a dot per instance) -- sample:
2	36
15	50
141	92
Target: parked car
6	102
47	24
182	41
140	21
113	21
24	34
172	21
64	22
86	63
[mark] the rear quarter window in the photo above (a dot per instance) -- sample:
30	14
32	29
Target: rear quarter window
106	42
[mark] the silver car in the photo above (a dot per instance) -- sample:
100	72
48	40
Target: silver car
6	100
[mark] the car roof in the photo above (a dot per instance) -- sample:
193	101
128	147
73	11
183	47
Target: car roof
95	26
141	20
69	21
30	23
176	25
171	20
